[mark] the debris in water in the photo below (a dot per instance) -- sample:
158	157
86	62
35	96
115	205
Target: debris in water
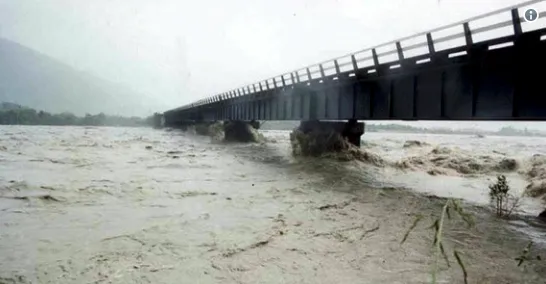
365	233
45	197
337	233
148	147
337	206
194	193
47	187
415	143
233	252
124	236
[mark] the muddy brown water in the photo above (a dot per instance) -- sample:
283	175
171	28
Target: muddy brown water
123	205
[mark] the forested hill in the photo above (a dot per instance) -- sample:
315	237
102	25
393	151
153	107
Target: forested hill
32	79
13	114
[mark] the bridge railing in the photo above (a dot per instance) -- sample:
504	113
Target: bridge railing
463	33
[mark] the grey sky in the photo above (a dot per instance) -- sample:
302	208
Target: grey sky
177	51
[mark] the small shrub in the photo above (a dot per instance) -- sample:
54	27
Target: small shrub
500	197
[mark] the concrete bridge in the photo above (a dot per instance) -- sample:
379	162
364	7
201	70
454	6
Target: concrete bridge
464	71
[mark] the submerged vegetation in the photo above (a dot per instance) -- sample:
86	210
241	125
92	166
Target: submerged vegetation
12	114
504	203
439	225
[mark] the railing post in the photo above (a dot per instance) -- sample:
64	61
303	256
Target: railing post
283	82
321	71
254	88
400	51
430	42
467	35
355	65
375	58
292	78
308	75
267	84
274	83
516	22
337	67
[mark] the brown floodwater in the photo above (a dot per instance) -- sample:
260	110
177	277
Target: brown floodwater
137	205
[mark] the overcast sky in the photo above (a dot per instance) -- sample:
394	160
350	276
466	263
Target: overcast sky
177	51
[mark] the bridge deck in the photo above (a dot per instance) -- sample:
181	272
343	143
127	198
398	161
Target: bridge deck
494	79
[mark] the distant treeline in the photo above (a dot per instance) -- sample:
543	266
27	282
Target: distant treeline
505	131
370	127
11	114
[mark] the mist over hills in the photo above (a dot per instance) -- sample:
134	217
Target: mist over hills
35	80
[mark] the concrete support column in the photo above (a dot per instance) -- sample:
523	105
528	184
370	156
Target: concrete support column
159	120
351	130
240	131
255	124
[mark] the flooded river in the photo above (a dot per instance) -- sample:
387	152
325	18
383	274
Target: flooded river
137	205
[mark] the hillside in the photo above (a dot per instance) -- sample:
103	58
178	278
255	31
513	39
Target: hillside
35	80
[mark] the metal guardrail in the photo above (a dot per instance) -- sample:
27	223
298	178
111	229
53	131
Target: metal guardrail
293	77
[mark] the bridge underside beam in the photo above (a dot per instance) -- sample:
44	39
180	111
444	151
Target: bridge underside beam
474	82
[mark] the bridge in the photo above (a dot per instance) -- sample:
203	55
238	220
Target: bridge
464	71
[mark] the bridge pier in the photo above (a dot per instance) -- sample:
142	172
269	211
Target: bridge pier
351	130
241	131
158	120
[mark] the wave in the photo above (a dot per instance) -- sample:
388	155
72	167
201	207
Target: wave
455	161
536	174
